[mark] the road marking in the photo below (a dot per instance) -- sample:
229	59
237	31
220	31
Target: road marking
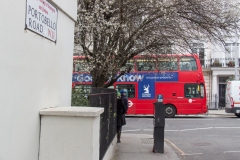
188	119
191	154
231	151
182	153
226	127
183	130
132	130
172	130
148	129
194	129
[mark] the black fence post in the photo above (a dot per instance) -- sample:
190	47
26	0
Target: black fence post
216	102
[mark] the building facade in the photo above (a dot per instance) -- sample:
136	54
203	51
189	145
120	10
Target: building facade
220	63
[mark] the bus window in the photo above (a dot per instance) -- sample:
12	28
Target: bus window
129	64
191	90
188	64
165	64
79	65
202	90
146	65
129	88
83	89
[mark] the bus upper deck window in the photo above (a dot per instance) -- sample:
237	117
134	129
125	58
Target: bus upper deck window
77	67
167	64
188	64
80	65
129	65
146	65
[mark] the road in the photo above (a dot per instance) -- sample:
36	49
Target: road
195	137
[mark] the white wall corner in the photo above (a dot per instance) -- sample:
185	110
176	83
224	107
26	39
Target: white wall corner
70	133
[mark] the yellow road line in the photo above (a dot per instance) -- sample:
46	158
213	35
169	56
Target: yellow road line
182	153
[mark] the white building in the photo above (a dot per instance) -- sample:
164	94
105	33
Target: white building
35	67
218	64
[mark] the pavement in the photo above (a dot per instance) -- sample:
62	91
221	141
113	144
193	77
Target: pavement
140	146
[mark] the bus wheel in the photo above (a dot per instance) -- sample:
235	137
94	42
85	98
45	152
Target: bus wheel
237	114
170	111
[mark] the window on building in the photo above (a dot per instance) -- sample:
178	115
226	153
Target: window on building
231	48
199	49
223	79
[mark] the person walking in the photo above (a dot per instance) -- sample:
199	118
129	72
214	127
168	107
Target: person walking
124	99
121	110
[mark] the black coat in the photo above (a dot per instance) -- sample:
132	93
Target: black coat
125	101
121	110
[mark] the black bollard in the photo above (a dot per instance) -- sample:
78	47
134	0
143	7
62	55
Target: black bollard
159	124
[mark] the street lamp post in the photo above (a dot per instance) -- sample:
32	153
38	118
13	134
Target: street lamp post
236	60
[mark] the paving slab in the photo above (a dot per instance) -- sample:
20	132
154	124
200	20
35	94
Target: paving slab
139	147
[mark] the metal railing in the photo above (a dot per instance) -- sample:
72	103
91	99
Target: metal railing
215	102
212	102
107	99
219	62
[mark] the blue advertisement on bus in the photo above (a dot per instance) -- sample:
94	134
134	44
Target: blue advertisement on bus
81	77
146	81
133	77
146	87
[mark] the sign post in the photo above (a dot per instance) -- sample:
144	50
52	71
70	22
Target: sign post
159	124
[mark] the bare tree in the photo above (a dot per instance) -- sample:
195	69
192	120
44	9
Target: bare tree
110	32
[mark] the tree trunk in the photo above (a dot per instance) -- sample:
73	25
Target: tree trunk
98	78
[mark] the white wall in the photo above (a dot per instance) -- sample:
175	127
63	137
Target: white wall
35	73
70	133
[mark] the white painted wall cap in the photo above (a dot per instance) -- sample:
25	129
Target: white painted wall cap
72	111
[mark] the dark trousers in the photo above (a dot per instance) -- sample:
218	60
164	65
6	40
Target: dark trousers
119	130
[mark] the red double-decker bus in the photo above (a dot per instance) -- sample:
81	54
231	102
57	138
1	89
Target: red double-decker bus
178	77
